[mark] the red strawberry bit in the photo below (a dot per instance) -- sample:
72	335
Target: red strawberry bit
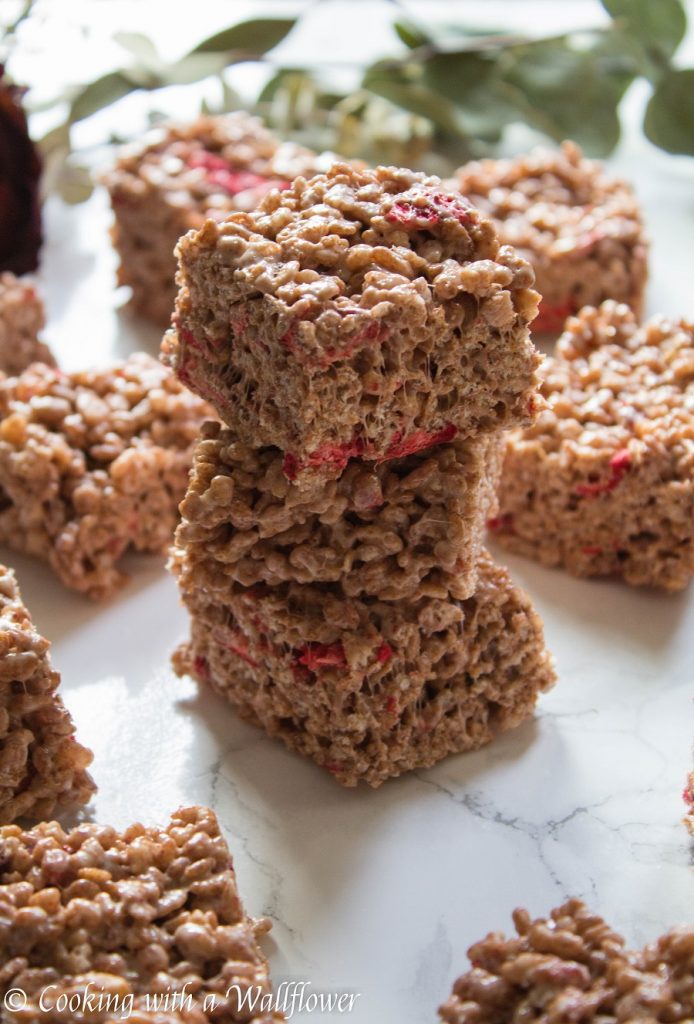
687	795
552	316
410	214
502	523
619	465
418	441
591	551
391	706
384	653
241	651
290	466
317	656
201	667
334	767
208	161
335	456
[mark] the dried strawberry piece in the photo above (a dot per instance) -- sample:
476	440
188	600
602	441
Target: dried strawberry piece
411	214
590	550
552	316
384	653
391	706
334	455
201	667
418	441
501	523
620	463
316	656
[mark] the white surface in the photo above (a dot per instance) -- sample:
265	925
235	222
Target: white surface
382	892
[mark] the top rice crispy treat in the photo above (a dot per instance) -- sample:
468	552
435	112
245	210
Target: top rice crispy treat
93	463
360	313
174	179
573	967
580	229
41	764
603	482
22	316
147	923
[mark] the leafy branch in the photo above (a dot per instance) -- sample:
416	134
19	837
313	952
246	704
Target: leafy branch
449	94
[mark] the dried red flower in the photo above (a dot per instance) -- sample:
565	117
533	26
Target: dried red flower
20	171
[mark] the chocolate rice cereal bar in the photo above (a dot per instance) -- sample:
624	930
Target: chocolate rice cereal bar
360	313
93	463
22	317
368	689
41	763
174	179
403	529
573	967
580	229
130	919
603	482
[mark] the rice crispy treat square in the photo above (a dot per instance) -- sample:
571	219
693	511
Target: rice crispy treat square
404	529
367	689
360	313
573	967
579	228
603	482
22	317
93	463
42	766
174	179
135	918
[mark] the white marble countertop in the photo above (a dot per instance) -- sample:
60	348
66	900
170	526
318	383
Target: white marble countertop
381	892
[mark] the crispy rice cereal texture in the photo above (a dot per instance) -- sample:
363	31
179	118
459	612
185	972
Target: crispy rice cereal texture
573	967
128	915
404	529
41	764
368	689
603	482
21	319
179	175
581	230
93	463
360	313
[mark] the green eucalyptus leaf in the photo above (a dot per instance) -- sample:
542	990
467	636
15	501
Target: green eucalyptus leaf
658	25
567	92
56	139
411	35
669	120
414	97
456	73
193	68
74	183
99	94
257	36
141	47
278	81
